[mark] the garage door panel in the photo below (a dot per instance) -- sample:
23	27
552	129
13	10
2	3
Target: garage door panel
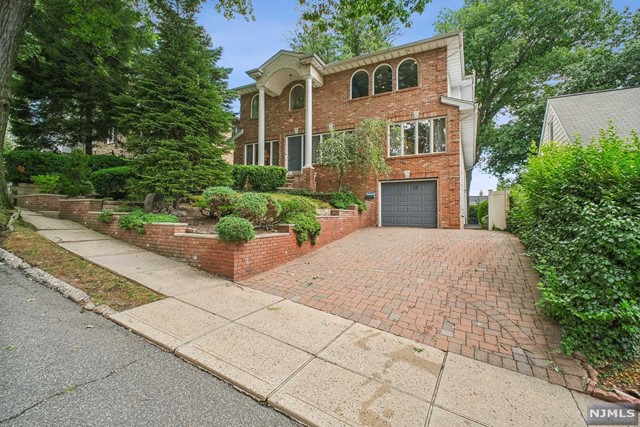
410	204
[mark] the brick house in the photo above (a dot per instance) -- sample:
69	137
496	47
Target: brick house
420	87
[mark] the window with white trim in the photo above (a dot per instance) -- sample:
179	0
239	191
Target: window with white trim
382	79
271	153
407	74
359	84
418	137
254	106
296	98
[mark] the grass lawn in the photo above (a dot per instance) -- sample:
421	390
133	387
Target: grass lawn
103	286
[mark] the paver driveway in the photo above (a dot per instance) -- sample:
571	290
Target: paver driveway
465	291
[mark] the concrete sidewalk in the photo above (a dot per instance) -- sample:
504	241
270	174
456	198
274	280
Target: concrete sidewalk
316	367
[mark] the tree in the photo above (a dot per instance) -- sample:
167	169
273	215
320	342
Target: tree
345	38
14	15
362	150
174	114
64	93
517	48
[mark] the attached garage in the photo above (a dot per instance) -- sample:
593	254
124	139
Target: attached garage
409	204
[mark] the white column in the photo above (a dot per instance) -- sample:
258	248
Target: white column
261	126
308	124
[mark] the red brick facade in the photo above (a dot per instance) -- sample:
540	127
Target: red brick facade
332	107
233	260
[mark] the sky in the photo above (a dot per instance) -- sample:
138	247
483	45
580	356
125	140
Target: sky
247	44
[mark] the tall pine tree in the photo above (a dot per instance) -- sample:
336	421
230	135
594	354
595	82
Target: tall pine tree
177	112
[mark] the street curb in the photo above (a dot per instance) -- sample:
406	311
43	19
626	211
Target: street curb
52	282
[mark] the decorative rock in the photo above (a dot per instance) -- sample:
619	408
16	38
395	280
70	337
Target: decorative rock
153	202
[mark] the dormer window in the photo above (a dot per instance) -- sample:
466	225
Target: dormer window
296	98
382	79
407	74
254	106
359	84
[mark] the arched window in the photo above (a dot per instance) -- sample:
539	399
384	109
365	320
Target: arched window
407	74
296	98
382	79
359	84
254	106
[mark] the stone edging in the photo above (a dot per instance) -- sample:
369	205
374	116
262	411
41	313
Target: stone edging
56	284
617	396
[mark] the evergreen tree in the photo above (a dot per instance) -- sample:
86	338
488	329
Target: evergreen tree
78	58
177	111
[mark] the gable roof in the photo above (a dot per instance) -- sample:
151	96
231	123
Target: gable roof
585	114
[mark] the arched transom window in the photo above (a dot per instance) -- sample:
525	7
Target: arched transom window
359	84
296	98
254	106
407	74
382	79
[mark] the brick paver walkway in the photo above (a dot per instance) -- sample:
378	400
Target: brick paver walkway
469	292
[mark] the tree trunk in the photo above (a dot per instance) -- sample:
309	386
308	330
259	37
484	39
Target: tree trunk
14	15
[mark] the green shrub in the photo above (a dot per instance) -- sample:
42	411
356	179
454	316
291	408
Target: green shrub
75	176
274	209
251	206
234	229
105	161
577	210
306	227
258	178
473	211
483	212
23	164
48	184
105	216
322	197
112	182
346	199
136	219
218	201
294	205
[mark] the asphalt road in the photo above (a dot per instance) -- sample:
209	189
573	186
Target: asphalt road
63	367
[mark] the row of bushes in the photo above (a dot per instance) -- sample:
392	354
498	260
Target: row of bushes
136	218
22	165
338	199
258	178
577	210
239	213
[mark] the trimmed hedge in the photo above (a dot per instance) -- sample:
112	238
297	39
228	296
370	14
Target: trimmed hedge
112	182
136	220
577	210
234	229
258	178
23	164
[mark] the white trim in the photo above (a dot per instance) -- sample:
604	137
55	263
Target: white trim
251	116
415	137
291	91
351	84
373	79
398	73
255	153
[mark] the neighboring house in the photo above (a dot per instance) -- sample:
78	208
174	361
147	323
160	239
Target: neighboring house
420	87
476	200
584	114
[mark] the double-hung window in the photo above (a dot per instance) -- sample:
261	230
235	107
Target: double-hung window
418	137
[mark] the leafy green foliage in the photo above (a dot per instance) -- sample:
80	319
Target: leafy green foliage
23	164
82	56
306	227
48	184
518	51
112	182
258	178
105	216
577	210
294	205
136	219
363	150
218	201
177	111
75	177
234	229
251	206
482	212
105	161
346	199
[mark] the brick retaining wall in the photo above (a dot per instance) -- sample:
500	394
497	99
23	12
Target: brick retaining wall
236	261
40	202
